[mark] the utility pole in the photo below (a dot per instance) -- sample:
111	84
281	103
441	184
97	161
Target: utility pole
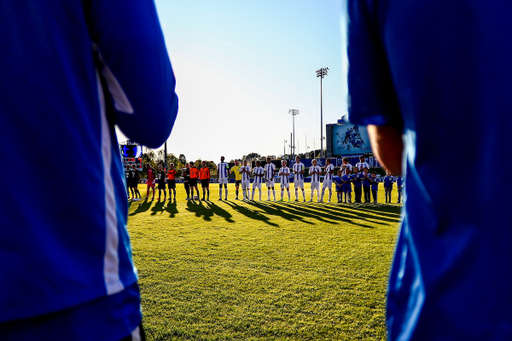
321	73
293	112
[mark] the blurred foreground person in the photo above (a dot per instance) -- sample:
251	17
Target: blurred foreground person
439	72
71	70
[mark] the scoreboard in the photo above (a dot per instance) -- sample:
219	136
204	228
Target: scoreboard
131	154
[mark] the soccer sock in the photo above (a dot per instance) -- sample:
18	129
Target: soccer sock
237	192
330	194
208	194
274	193
288	195
252	197
268	192
322	195
304	194
220	192
226	191
282	194
260	193
296	194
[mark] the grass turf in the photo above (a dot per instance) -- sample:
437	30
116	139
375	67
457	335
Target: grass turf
233	270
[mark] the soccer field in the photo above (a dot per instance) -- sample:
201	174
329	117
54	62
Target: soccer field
231	270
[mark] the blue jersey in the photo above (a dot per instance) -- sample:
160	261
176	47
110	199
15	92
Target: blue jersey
399	181
357	179
366	180
339	183
71	70
388	182
441	71
222	170
374	183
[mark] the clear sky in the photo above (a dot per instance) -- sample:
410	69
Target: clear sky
241	65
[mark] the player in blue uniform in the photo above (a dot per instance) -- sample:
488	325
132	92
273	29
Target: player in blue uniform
347	185
357	179
71	70
439	73
374	182
389	180
339	186
399	188
366	185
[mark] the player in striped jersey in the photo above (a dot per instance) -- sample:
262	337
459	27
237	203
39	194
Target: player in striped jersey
259	173
223	175
270	171
298	178
284	172
315	172
329	173
245	171
345	166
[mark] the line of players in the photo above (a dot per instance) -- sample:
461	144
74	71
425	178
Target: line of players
365	184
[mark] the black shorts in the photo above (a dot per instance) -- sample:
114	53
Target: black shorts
205	183
171	184
161	184
193	182
238	182
133	183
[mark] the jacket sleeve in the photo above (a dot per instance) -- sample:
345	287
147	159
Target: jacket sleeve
135	68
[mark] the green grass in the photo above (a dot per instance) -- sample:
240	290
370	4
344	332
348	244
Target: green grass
230	270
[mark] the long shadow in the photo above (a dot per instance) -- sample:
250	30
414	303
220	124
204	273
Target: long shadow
331	217
208	210
277	210
172	208
158	208
251	214
143	207
360	212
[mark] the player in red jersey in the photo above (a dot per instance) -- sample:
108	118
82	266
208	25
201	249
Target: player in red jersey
150	182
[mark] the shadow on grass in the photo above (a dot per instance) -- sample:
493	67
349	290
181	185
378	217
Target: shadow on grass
207	210
250	213
159	207
143	207
363	211
172	208
314	212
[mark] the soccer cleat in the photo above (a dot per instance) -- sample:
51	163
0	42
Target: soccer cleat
236	198
320	201
220	199
203	198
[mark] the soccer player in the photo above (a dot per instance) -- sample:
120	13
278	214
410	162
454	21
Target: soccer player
347	185
270	171
186	180
375	186
388	186
127	175
259	173
150	181
71	72
161	175
238	176
362	163
194	176
357	178
284	172
399	188
245	171
222	174
329	173
135	183
345	166
366	185
129	181
339	186
439	72
171	181
315	172
298	178
204	176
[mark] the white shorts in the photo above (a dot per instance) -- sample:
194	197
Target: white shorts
285	185
299	183
246	184
223	181
270	183
315	185
327	184
256	185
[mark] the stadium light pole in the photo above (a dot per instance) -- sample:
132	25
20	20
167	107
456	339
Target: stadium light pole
293	112
284	149
321	73
165	157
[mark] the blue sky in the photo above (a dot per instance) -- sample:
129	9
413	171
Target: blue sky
241	65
